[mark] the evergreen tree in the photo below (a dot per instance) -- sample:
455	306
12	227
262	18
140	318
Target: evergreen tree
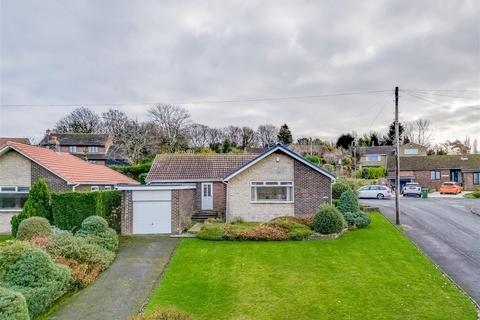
37	204
345	141
284	135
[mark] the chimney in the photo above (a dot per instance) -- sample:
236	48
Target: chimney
53	142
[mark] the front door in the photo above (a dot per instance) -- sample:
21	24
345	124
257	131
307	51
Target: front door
456	175
207	196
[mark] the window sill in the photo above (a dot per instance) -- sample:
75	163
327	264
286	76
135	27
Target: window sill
271	202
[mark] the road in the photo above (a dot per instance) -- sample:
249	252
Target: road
447	231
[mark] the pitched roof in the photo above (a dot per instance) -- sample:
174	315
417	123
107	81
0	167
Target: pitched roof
188	167
78	139
69	167
3	141
470	162
382	150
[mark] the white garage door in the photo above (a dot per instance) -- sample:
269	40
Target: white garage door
152	212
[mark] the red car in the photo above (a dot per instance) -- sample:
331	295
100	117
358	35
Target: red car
450	187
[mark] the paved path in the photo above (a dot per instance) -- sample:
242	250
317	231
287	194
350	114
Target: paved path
447	231
123	288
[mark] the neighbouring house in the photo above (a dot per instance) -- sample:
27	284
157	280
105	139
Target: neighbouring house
22	164
3	141
252	187
412	149
432	171
95	148
375	156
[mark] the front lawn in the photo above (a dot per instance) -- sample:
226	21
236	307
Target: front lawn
372	273
5	237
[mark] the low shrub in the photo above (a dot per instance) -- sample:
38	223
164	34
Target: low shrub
294	230
95	230
299	234
38	278
264	233
339	187
372	173
164	314
83	273
13	305
41	242
328	220
211	231
350	218
32	227
362	220
348	202
10	251
305	219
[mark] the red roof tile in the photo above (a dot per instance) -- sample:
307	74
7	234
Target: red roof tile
70	168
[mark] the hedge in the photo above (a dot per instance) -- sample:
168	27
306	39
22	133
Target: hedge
71	208
135	171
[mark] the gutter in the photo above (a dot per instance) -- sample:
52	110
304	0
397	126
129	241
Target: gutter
74	186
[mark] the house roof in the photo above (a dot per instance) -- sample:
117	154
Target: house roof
78	139
68	167
3	141
190	167
279	147
382	150
413	145
469	162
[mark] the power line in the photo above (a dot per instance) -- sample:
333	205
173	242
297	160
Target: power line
439	94
380	111
200	101
444	90
424	99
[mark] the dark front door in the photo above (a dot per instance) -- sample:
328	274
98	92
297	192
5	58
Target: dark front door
456	175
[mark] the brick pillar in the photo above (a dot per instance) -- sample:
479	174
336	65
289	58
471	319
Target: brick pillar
127	212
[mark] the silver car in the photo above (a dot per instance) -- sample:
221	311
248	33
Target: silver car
375	191
412	189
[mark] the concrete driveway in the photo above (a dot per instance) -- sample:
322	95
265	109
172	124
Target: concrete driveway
447	231
122	289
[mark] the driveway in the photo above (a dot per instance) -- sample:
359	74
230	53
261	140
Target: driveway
5	218
447	231
123	288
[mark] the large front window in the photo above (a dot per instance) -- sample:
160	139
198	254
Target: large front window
373	157
13	197
92	149
271	191
435	175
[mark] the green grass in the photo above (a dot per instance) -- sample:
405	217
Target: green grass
5	237
372	273
472	195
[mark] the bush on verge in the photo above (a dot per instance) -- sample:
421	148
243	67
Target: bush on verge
32	227
328	220
95	230
348	202
12	305
164	314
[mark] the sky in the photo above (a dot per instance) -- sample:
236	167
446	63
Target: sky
135	54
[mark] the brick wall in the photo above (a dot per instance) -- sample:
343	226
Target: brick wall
127	213
311	189
219	196
423	177
55	183
468	182
183	206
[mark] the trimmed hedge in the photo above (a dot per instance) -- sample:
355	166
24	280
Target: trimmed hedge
12	305
71	208
135	171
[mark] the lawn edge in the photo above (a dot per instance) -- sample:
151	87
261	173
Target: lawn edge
401	231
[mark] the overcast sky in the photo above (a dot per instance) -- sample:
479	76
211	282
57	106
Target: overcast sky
135	52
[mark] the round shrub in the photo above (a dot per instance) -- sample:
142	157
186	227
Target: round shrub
32	227
93	225
95	230
350	218
348	202
299	233
362	220
338	188
13	305
164	314
328	220
38	278
10	251
211	231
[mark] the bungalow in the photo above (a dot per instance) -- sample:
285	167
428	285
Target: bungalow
375	156
252	187
22	164
432	171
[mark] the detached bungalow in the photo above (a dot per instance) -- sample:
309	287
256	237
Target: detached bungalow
252	187
22	164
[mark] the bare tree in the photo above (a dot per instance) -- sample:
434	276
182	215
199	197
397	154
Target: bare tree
419	131
267	135
80	120
458	147
198	135
234	134
215	136
172	121
114	122
135	139
249	137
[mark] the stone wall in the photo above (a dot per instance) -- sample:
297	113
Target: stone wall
15	170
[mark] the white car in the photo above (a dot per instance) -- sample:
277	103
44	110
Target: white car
412	189
375	191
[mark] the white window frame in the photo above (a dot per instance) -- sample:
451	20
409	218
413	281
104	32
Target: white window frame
13	191
72	149
411	151
377	159
287	184
92	149
94	188
437	175
107	187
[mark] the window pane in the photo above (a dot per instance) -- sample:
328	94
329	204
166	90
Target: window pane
272	193
256	183
271	183
252	195
286	183
8	189
476	178
23	189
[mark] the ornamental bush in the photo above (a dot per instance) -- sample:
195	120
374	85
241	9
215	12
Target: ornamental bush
38	278
362	220
10	251
295	230
339	187
164	314
32	227
83	273
328	220
12	305
348	202
37	204
264	233
95	230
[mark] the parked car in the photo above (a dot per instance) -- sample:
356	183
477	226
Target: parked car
375	191
450	187
412	189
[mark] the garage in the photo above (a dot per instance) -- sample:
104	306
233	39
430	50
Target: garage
156	209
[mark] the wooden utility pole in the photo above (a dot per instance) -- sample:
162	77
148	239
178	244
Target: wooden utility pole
397	161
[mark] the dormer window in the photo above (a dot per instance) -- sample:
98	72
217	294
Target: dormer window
92	149
411	151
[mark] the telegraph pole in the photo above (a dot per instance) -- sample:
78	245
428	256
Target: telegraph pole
397	161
